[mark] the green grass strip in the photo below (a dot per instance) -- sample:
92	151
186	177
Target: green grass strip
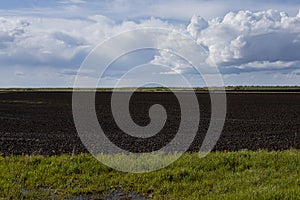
219	175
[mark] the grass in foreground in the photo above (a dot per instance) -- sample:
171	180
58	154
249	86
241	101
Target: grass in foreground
220	175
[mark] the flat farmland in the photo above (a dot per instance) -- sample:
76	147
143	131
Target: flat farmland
41	122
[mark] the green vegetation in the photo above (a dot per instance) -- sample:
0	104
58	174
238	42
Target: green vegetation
220	175
160	89
21	102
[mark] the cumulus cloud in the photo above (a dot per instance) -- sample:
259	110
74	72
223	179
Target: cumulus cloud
239	42
31	41
197	25
57	42
60	44
246	39
179	66
10	30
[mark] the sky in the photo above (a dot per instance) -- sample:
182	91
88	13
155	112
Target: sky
43	43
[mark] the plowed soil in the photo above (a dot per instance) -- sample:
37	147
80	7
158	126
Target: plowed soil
42	122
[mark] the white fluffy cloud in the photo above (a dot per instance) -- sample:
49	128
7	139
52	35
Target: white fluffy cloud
57	46
239	42
246	39
57	42
39	42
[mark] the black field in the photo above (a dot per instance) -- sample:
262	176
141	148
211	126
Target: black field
42	122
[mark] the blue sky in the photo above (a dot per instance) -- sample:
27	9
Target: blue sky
43	43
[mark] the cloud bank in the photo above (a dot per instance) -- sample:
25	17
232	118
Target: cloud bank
243	42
